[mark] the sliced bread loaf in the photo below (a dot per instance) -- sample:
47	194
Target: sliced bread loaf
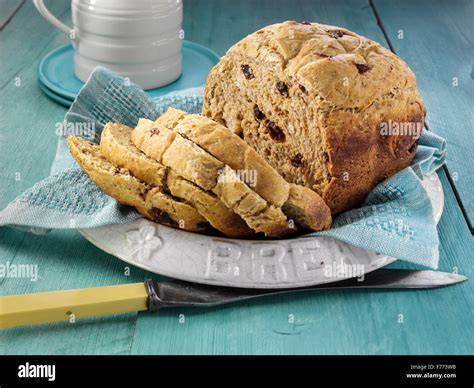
198	166
116	146
301	204
128	190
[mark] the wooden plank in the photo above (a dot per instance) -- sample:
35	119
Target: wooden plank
354	322
27	146
64	260
437	321
323	323
33	132
437	43
8	8
218	24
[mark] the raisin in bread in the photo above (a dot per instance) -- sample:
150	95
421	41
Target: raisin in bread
301	204
194	164
117	148
229	149
128	190
315	101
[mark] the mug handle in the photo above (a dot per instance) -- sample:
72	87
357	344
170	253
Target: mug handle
39	4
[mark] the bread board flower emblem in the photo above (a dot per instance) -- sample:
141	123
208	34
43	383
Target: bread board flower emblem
143	242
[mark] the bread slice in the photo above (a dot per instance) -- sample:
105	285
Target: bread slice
231	150
120	184
114	181
174	151
258	214
164	208
196	165
117	147
307	208
303	205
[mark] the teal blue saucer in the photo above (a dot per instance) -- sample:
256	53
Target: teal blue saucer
55	97
56	72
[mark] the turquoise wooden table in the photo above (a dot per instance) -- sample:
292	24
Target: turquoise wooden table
434	37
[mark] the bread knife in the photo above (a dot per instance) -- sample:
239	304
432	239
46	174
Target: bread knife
42	307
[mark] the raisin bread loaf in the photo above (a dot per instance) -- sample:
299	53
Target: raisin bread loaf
117	148
128	190
301	204
315	101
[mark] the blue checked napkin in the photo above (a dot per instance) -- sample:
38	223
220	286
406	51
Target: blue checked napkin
396	219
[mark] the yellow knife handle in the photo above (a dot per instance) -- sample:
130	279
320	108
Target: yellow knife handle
17	310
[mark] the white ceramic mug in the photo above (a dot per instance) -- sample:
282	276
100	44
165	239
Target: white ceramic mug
139	39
